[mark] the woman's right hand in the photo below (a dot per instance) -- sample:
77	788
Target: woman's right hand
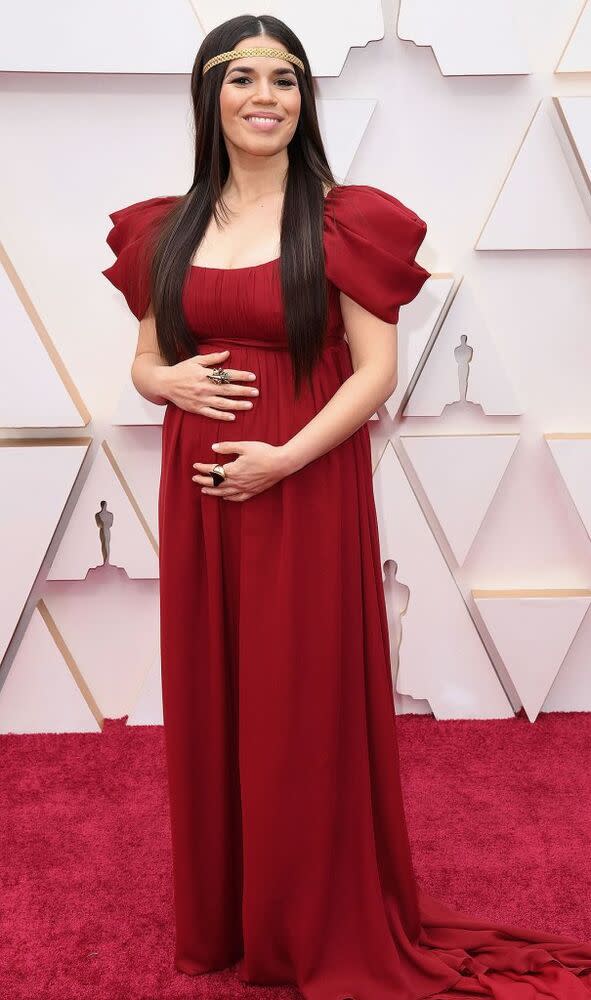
188	387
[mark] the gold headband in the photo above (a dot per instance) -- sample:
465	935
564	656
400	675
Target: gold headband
258	50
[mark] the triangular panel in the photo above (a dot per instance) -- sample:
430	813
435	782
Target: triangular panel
442	658
40	693
110	37
532	631
460	474
417	321
37	479
467	38
463	369
576	57
35	388
106	514
575	113
147	710
539	175
572	454
110	624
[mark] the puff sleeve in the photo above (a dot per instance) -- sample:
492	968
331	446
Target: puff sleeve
370	242
131	240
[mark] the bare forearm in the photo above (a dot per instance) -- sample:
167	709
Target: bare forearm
149	374
351	406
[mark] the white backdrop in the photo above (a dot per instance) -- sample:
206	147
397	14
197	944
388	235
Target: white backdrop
482	125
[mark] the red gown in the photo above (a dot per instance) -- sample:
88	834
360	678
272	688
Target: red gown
290	848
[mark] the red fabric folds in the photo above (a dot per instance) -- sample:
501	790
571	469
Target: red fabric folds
371	239
130	239
290	848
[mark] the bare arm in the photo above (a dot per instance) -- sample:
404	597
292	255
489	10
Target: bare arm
147	370
374	354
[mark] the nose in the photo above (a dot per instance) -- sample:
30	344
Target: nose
264	91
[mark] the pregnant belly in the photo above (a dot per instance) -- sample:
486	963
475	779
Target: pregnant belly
276	414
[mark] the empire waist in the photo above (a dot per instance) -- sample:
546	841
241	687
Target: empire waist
278	411
228	342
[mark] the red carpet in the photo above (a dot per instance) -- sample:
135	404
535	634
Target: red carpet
499	814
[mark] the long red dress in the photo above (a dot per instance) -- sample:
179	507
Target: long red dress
290	847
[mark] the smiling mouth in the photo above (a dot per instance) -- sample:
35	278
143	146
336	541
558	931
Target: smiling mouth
263	123
274	118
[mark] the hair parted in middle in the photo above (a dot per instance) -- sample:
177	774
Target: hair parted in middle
303	280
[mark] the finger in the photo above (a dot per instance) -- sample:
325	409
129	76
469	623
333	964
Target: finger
237	374
228	403
213	358
209	411
220	491
206	467
206	480
228	390
229	446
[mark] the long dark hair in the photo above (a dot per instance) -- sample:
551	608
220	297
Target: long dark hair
303	280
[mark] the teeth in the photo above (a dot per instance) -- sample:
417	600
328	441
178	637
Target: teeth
260	118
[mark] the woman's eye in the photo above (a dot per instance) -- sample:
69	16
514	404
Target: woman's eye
240	79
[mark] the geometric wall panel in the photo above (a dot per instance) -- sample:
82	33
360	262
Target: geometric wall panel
147	710
533	630
133	409
467	38
415	328
40	693
110	625
575	113
138	36
343	124
138	453
106	514
572	454
463	371
377	450
37	479
460	475
571	691
35	388
576	57
516	221
442	658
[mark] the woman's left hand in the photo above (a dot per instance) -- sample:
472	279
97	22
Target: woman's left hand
259	465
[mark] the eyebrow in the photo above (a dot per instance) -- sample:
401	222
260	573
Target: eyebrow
250	69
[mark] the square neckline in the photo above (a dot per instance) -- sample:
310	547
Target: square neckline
248	267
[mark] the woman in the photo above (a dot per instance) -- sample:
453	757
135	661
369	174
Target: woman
290	848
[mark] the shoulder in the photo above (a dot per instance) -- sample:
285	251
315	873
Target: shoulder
132	221
131	240
369	209
370	241
150	206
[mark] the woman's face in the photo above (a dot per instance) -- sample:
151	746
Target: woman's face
263	88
